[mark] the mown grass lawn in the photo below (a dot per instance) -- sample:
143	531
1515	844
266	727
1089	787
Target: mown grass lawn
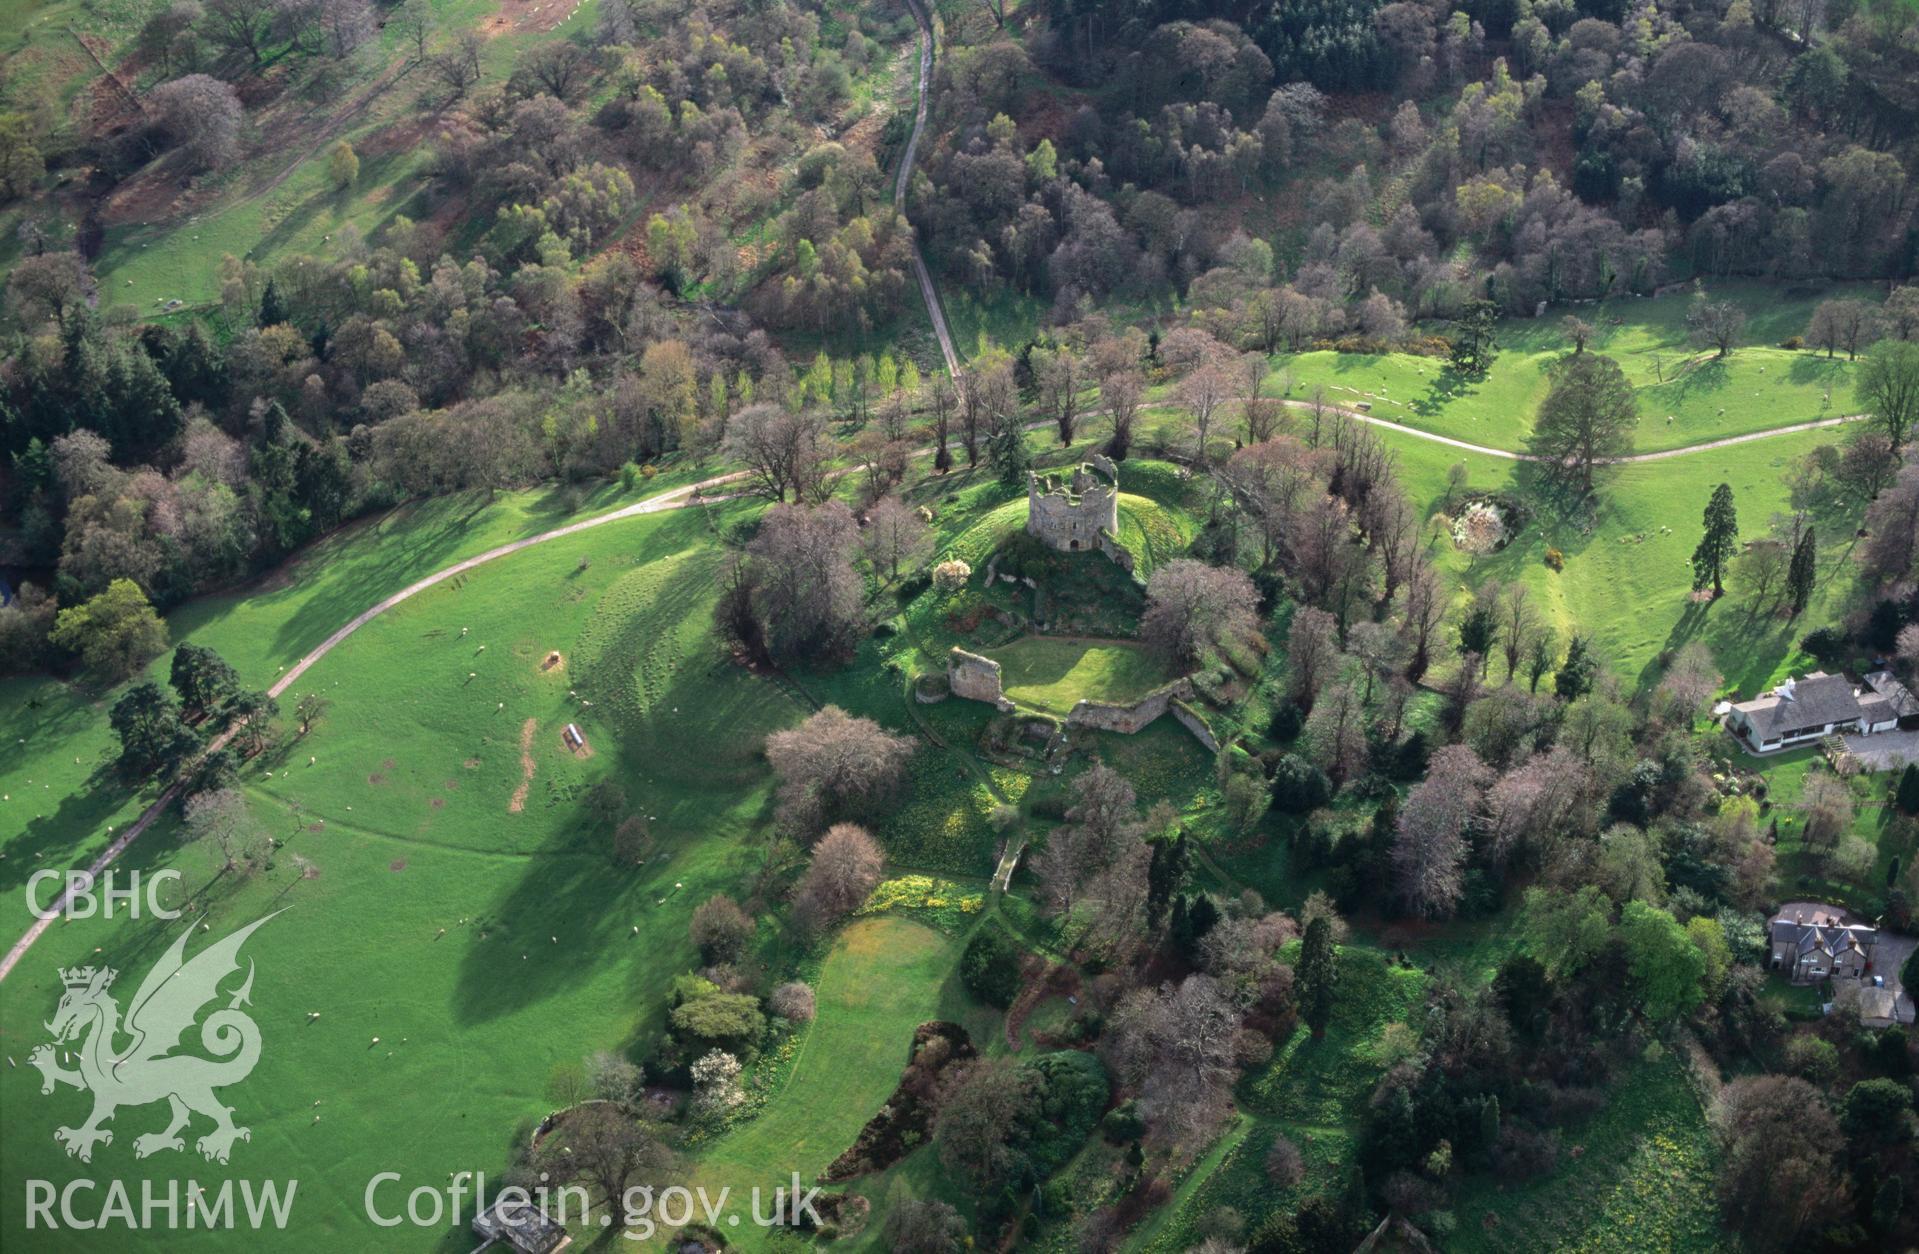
1053	674
882	979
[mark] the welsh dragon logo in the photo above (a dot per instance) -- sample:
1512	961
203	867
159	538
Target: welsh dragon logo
169	1001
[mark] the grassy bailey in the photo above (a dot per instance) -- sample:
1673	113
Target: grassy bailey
1053	675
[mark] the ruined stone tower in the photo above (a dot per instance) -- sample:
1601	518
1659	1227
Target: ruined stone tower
1070	513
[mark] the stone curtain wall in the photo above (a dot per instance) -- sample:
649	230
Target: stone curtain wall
1130	719
1195	722
976	678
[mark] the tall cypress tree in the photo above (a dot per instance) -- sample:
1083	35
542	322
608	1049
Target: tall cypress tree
273	310
1717	545
1909	790
1165	876
1801	572
1574	678
1318	976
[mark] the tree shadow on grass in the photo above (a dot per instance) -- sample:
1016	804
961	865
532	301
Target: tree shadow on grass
1449	386
374	172
1749	648
69	837
689	758
1808	369
1704	377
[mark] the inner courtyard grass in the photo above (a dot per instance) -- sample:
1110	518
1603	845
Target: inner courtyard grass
1053	674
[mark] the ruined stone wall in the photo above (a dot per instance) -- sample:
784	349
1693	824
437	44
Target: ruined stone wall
1129	719
976	678
1195	722
1109	545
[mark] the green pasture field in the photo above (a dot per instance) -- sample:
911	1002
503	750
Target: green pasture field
261	628
1760	387
486	946
1627	579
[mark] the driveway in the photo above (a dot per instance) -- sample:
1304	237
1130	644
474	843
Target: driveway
1887	751
1888	958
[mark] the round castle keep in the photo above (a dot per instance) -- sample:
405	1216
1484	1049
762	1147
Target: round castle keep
1069	513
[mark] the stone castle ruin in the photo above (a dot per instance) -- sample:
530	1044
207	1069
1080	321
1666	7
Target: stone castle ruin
976	678
1072	514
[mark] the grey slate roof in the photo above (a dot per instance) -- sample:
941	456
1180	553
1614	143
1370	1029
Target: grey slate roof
1816	700
1903	703
1821	929
521	1227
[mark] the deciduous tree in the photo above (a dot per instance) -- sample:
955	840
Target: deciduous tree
1192	607
114	633
834	766
1889	386
1429	848
844	871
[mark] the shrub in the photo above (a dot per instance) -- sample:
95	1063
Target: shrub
792	1001
1299	786
1285	1166
719	1017
1793	342
990	967
720	929
1123	1123
1555	559
1069	1092
1812	1057
1824	644
951	575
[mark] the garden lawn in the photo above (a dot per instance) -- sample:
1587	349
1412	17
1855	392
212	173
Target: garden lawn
1805	873
1053	674
882	980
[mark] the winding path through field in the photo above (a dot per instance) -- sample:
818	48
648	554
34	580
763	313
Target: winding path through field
653	505
676	499
1512	456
